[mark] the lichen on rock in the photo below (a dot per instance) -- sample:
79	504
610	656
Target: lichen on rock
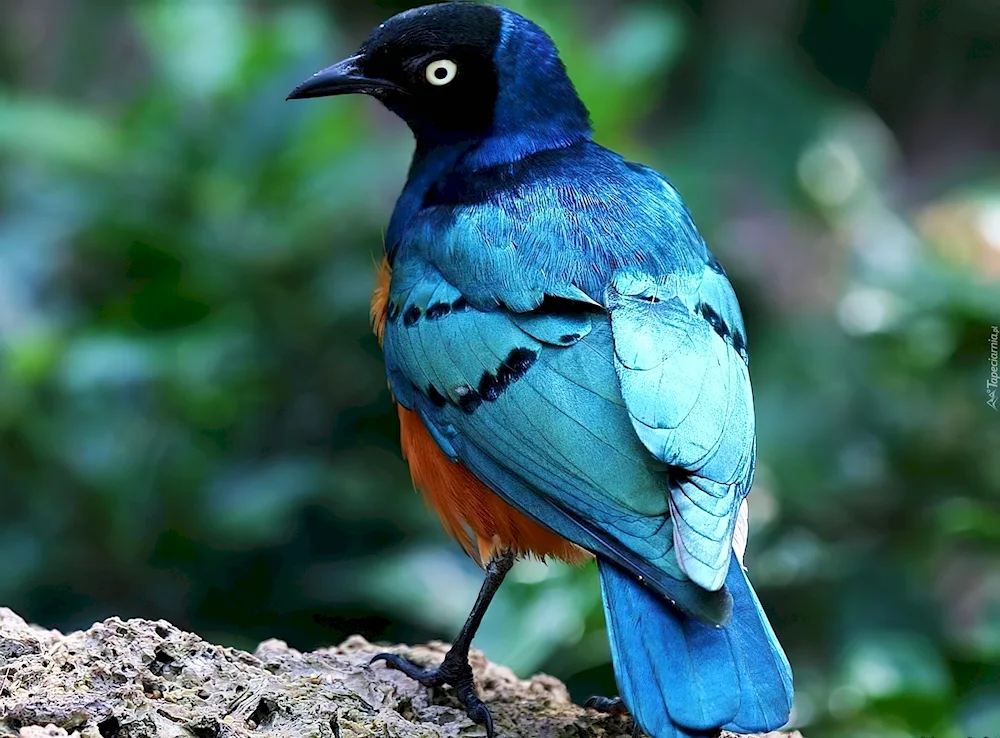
143	679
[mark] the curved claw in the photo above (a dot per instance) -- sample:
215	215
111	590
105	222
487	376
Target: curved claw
480	713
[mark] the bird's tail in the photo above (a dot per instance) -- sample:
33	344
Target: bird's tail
680	677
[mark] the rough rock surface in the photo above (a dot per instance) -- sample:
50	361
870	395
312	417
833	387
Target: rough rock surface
140	679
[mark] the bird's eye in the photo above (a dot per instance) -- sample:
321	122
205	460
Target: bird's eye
441	72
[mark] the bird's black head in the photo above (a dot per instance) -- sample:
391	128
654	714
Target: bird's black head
458	71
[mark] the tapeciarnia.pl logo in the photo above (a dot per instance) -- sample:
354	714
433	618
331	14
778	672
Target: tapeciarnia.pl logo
994	378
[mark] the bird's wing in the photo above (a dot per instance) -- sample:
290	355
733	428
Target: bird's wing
680	353
595	375
531	402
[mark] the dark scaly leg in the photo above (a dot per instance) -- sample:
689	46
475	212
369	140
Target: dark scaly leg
455	669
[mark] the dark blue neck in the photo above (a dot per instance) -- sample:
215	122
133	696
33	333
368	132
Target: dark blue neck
510	147
475	153
430	162
537	106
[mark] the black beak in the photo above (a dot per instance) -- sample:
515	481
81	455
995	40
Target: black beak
342	78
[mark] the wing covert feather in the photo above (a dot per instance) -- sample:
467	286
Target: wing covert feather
680	356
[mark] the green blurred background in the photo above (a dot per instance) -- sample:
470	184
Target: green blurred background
194	420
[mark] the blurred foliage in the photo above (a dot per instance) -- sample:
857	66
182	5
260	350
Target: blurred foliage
194	422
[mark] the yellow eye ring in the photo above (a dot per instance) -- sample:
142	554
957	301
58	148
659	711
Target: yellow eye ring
441	72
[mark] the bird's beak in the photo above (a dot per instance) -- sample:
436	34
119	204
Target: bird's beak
342	78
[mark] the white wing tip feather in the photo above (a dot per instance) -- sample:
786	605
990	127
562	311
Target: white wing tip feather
742	532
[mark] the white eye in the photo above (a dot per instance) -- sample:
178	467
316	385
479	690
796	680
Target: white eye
441	72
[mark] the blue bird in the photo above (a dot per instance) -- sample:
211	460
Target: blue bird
570	366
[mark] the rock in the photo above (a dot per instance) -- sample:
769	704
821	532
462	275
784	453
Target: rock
142	679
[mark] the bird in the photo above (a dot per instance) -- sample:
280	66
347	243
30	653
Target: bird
569	363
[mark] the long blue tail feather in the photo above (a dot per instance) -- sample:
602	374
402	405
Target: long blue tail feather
679	677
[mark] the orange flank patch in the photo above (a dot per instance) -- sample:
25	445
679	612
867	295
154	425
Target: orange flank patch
380	299
468	508
480	521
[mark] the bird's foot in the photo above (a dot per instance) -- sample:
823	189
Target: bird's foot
612	706
609	705
455	672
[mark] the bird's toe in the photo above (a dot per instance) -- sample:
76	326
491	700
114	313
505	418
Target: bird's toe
609	705
427	677
455	672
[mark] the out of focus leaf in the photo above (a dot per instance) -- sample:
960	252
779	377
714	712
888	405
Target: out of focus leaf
57	132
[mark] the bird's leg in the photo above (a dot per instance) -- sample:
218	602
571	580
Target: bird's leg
455	670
